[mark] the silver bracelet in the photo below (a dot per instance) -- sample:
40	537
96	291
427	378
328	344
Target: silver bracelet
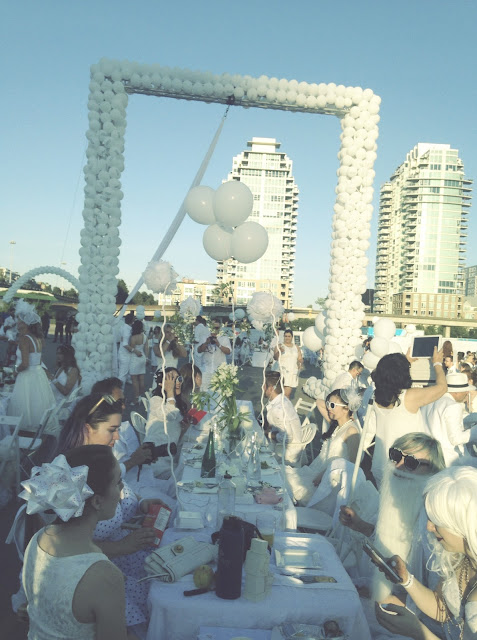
437	364
409	582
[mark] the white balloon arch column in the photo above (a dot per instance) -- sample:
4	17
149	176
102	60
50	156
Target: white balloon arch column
112	81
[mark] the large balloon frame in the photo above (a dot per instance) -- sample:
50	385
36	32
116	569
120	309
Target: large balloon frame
111	83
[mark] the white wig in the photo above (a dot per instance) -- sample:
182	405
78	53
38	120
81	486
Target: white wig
451	503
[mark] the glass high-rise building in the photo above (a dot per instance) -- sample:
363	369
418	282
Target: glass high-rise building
267	171
422	231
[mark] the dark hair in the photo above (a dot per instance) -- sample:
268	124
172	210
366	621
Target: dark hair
356	364
107	386
69	358
35	330
158	390
334	423
201	320
73	433
391	376
273	379
288	331
129	319
100	461
137	328
188	374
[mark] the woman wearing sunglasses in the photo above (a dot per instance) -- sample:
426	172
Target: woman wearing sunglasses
451	505
340	441
96	420
397	406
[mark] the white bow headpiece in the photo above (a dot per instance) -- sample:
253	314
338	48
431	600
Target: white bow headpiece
56	485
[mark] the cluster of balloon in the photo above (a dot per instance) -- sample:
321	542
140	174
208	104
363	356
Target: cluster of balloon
313	336
382	343
239	314
140	312
226	210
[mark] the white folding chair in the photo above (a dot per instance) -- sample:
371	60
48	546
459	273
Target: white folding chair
139	424
304	407
145	401
308	434
12	445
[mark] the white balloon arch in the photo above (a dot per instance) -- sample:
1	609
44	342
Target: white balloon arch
112	81
36	272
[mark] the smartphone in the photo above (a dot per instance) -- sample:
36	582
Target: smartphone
382	563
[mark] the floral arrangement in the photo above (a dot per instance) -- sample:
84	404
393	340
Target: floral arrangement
183	329
245	326
189	309
264	308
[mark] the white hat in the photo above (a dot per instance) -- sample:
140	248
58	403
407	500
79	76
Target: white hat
458	382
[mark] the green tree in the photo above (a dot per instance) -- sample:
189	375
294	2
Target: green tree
122	292
321	302
144	298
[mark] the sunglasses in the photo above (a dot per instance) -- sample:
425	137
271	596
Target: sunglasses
109	399
411	463
332	405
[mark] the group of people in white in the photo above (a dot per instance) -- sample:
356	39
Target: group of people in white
418	504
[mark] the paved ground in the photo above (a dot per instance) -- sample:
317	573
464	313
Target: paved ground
11	628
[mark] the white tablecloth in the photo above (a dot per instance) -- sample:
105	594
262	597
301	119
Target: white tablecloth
259	358
176	617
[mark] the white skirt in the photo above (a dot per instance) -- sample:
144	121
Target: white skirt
31	397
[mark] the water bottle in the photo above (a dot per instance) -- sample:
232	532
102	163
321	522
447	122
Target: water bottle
254	469
225	499
207	469
228	581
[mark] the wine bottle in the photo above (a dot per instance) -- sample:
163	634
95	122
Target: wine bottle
208	461
228	583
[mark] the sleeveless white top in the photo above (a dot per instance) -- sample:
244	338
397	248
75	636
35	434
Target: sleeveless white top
391	424
450	591
50	583
34	357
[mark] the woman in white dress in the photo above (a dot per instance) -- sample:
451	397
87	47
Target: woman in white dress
289	359
72	589
169	350
153	341
451	505
341	440
67	375
32	394
139	349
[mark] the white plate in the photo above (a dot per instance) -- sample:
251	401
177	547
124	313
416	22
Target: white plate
297	557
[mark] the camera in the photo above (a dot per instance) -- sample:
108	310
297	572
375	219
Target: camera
160	451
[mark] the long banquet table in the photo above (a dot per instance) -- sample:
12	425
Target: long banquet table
176	617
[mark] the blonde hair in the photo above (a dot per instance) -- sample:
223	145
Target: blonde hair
451	503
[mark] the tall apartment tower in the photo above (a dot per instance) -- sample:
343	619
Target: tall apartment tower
422	234
268	173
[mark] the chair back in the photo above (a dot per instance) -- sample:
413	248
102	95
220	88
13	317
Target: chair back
11	447
139	424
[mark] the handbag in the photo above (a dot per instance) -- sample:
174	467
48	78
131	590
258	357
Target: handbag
175	560
250	531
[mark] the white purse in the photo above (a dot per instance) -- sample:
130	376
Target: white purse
175	560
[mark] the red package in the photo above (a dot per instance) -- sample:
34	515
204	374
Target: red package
195	415
157	517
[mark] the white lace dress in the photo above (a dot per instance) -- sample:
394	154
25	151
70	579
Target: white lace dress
287	364
32	394
50	584
137	365
301	479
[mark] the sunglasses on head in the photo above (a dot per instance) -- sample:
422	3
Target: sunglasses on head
109	399
411	463
332	405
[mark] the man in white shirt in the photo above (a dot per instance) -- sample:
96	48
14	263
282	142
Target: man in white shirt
124	355
214	350
283	421
445	419
346	378
449	365
201	333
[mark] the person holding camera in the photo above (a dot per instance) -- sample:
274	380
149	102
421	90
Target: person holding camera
214	352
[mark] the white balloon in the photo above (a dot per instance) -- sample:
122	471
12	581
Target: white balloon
370	360
217	241
140	312
239	314
249	242
379	346
410	328
157	313
320	322
291	316
384	328
394	347
233	203
199	204
311	340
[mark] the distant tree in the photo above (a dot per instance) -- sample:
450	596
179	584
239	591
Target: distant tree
72	294
122	293
321	302
301	324
56	292
144	298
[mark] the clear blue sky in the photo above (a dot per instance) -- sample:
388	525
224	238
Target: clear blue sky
419	56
